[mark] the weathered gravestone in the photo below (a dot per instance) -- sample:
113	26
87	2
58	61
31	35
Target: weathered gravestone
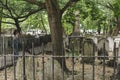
4	45
1	45
95	39
116	76
38	70
87	76
118	64
88	51
103	48
111	44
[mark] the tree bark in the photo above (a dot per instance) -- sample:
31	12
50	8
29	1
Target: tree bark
43	24
99	29
54	17
117	28
0	26
17	25
1	21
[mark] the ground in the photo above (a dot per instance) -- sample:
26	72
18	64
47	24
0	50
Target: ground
88	69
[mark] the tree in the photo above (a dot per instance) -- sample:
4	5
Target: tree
114	8
37	21
17	12
0	20
89	14
55	13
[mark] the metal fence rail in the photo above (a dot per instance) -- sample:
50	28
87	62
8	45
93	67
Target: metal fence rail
75	60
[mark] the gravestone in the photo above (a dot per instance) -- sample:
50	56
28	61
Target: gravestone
88	52
3	40
103	48
117	74
1	45
38	69
95	39
111	44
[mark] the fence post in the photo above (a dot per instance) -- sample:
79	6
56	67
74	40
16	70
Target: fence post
4	57
53	63
104	52
94	60
114	55
33	61
72	49
43	77
83	60
23	55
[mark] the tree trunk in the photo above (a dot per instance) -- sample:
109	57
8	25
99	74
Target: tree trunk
0	20
54	17
110	29
17	25
99	29
43	24
117	28
0	26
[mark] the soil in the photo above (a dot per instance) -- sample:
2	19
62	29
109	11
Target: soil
78	68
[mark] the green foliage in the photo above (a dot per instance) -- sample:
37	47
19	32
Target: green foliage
36	21
92	12
19	9
116	8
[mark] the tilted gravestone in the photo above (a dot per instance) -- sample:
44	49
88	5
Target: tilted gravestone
111	44
88	51
38	69
103	48
116	76
4	46
1	45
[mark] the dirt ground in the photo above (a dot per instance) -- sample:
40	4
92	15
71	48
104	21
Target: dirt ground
78	67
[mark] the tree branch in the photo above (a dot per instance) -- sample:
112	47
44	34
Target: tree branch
8	8
68	4
38	3
5	6
23	19
8	22
5	15
30	13
109	6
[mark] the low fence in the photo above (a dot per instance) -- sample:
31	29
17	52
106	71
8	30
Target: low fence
81	57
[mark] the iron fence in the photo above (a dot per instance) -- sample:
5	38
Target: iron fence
81	60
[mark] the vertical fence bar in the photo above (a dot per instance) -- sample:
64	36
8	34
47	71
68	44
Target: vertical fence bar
104	51
53	63
4	58
43	77
23	55
73	61
83	61
33	61
93	64
14	60
63	52
114	57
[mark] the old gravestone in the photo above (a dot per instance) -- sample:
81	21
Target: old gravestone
116	76
103	48
118	64
111	44
4	44
88	51
48	69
